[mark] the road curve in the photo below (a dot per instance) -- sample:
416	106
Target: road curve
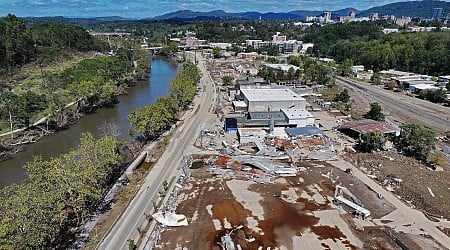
402	107
134	217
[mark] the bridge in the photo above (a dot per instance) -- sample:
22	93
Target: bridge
157	49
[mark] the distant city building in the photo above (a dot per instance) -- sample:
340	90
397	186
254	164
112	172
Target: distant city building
436	15
404	20
373	16
278	38
327	16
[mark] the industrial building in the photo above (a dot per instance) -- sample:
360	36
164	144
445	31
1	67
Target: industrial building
298	117
262	100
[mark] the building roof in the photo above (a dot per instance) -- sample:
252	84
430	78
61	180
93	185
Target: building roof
271	95
365	126
277	115
303	131
240	104
296	113
424	86
283	67
419	82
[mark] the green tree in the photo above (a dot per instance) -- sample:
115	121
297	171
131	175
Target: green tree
227	80
375	112
371	141
183	91
416	141
343	96
217	52
376	79
152	120
345	69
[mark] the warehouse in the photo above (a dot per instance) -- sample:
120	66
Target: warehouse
267	100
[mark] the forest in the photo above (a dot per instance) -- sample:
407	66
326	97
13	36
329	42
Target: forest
365	44
57	72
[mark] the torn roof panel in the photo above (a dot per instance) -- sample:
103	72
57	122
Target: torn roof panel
367	125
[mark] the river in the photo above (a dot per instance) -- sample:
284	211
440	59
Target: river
144	93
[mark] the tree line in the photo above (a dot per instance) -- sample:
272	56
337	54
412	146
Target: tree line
310	71
152	120
20	44
364	43
47	210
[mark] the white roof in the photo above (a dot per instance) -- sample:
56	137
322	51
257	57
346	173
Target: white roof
424	86
283	67
296	113
271	95
240	104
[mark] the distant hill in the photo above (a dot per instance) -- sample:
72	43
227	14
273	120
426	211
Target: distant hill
412	9
72	21
222	15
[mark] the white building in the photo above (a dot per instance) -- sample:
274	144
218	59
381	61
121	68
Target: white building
262	100
299	117
282	67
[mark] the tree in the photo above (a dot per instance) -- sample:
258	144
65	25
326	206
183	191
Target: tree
375	112
376	79
416	141
227	80
371	141
345	68
183	91
343	96
392	84
152	120
217	52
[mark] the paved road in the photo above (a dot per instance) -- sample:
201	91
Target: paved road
141	206
406	219
402	107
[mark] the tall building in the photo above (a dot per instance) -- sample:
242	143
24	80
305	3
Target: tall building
437	13
327	16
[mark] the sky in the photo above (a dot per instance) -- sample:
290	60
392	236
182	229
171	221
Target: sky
138	9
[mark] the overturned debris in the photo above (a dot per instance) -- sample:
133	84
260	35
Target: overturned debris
170	219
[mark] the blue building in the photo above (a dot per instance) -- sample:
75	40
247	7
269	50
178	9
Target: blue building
437	13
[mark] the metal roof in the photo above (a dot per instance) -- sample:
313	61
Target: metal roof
365	126
266	115
271	95
309	130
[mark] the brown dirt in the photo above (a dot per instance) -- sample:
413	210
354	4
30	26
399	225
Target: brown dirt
416	178
282	220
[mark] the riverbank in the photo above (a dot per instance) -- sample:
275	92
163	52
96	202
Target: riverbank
83	81
141	94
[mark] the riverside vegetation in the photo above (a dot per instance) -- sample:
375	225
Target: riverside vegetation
45	68
48	209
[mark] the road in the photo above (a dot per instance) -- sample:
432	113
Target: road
134	217
404	218
402	107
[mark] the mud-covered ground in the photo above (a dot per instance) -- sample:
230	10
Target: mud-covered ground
292	213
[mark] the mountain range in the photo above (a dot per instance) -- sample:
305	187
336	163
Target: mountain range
421	9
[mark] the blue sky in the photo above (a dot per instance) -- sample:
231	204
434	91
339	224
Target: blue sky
149	8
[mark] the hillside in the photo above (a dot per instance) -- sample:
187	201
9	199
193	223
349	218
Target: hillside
250	15
413	9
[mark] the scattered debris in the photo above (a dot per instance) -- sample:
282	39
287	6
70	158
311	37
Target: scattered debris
170	219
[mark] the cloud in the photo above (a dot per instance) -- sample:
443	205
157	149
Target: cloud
150	8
